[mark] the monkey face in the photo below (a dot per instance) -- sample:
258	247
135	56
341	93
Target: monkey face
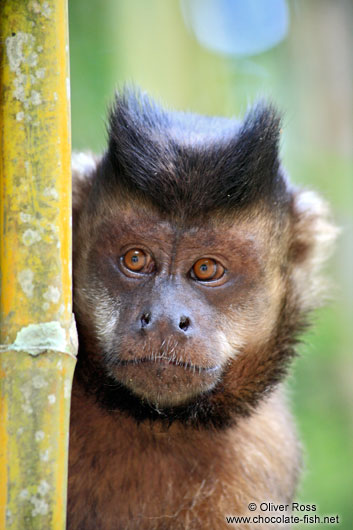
173	307
195	264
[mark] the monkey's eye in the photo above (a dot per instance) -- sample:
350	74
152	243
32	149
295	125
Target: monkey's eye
136	260
207	269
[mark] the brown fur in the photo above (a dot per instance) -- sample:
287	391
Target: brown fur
129	476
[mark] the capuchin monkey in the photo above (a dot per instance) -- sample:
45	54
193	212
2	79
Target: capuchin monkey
195	267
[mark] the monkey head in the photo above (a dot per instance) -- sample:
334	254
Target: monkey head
194	263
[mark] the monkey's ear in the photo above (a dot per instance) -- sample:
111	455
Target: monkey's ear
313	235
83	167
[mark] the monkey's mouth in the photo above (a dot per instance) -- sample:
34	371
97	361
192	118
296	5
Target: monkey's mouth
166	381
160	359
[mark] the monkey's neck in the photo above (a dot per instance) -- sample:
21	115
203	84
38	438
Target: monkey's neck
105	426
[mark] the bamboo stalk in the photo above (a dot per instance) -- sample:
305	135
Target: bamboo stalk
37	333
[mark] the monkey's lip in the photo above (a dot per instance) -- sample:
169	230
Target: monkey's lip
166	381
160	360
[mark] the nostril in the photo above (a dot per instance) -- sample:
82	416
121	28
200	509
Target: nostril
184	323
145	319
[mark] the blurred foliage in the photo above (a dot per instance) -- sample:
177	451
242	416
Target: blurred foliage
309	75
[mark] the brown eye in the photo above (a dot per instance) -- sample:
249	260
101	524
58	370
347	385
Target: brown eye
135	260
207	269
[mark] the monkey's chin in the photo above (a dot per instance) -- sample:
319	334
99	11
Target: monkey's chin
164	383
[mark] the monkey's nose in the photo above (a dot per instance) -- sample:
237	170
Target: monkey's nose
145	319
164	323
184	323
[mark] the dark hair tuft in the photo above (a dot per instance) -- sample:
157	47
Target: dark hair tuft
187	164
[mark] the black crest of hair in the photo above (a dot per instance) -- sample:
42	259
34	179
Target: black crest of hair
190	164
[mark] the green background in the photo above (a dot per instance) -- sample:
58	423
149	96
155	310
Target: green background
310	77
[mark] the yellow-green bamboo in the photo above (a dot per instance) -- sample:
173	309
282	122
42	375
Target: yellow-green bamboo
37	334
